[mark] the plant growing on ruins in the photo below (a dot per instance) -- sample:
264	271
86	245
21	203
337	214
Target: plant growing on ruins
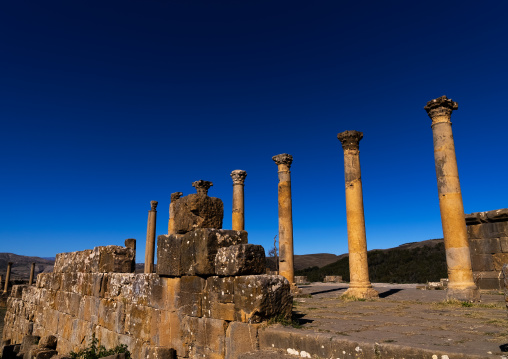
274	253
95	351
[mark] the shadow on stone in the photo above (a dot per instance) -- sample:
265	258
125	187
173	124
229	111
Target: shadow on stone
328	291
389	293
504	347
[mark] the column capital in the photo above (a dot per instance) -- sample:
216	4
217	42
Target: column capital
10	263
350	139
238	176
175	196
441	107
283	159
153	204
202	186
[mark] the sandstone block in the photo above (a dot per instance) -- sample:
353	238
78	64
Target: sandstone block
241	338
197	211
43	353
485	245
112	259
28	342
191	295
259	297
488	230
17	291
205	337
199	248
218	298
482	262
138	321
168	255
497	215
499	260
48	342
154	352
240	259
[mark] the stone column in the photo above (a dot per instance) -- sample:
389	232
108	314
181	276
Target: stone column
202	187
32	271
171	222
150	237
461	285
360	286
286	269
7	277
238	202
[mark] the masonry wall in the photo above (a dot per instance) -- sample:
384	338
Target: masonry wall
194	315
488	243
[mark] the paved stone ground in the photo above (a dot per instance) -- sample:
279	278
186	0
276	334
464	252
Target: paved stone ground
407	316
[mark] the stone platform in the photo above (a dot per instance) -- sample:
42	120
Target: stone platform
403	323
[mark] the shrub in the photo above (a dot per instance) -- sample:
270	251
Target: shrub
95	352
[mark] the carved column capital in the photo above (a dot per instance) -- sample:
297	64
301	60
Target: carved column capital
153	204
440	109
238	176
202	186
283	159
350	139
10	264
175	196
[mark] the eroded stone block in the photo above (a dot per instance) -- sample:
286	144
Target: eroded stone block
240	259
218	298
197	211
259	297
168	255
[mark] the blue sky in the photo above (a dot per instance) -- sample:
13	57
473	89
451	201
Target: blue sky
106	105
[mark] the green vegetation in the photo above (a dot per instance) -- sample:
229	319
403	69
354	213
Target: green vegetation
95	352
417	265
285	321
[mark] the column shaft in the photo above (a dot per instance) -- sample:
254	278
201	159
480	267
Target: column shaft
171	223
461	285
238	220
32	271
150	239
286	268
360	285
7	277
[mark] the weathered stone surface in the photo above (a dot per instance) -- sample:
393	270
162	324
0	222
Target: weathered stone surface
168	255
43	353
240	259
499	259
488	230
107	259
505	282
17	290
28	341
258	297
485	246
190	296
154	352
205	337
48	342
199	248
482	262
241	338
218	298
197	211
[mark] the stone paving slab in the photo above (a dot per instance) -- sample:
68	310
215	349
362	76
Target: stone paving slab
403	317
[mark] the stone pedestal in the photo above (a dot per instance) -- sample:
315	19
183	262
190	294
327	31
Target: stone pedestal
32	271
286	269
238	177
7	277
360	286
150	237
458	260
171	222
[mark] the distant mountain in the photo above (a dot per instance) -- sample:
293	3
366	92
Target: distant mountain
415	262
22	264
308	260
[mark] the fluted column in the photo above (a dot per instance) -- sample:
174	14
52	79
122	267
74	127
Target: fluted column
461	285
7	277
150	237
32	271
171	222
286	269
360	286
238	177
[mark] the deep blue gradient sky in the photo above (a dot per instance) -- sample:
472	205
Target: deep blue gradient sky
106	105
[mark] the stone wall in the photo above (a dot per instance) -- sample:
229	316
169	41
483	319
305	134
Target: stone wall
488	243
196	311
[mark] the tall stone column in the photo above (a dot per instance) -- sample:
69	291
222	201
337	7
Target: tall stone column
286	269
360	286
461	285
238	177
150	237
171	222
32	271
7	277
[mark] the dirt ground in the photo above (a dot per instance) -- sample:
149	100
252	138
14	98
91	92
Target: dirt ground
407	316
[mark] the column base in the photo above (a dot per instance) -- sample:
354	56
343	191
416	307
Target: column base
463	294
294	289
361	293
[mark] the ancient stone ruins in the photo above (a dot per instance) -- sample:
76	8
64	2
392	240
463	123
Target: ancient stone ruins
208	293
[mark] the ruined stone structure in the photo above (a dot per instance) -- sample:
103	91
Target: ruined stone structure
32	271
488	240
150	237
204	301
458	260
360	286
7	277
286	252
174	197
238	177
